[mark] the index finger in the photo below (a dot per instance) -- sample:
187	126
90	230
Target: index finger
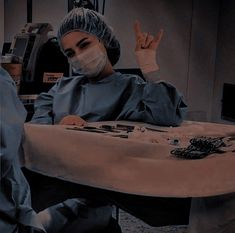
137	29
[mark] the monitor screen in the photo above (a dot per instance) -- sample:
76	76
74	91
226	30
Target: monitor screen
6	48
19	46
228	104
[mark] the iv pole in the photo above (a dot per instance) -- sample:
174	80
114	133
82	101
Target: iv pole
29	11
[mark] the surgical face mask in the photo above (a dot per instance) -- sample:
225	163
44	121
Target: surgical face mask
89	63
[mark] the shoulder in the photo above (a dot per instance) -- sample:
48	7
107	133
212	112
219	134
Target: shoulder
6	81
131	78
5	77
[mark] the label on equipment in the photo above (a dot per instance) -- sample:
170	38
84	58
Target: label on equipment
51	77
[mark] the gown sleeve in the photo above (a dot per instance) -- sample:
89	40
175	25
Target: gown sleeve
157	103
43	107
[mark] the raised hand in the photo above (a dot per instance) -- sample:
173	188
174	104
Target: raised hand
145	40
146	48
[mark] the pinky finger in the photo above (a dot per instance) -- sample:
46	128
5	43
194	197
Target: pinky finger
159	36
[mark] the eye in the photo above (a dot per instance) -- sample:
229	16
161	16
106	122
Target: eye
70	53
84	44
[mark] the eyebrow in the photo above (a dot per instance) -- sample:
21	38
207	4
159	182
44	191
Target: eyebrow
77	44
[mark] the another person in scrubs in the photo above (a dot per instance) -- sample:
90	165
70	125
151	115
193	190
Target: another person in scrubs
16	213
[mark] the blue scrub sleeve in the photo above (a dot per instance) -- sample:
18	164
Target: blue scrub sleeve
160	104
43	107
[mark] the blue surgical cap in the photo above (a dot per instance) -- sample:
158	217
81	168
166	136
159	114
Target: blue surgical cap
89	21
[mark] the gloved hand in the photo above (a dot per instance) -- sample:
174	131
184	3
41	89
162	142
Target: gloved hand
146	48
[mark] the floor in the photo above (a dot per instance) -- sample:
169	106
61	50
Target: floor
130	224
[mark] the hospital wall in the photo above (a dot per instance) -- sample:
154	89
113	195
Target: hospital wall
1	24
196	53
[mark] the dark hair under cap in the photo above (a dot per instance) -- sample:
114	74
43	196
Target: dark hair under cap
89	21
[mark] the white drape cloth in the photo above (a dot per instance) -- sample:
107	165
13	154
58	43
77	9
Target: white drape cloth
140	164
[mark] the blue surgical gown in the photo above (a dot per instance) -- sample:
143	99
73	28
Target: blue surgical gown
116	97
15	201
